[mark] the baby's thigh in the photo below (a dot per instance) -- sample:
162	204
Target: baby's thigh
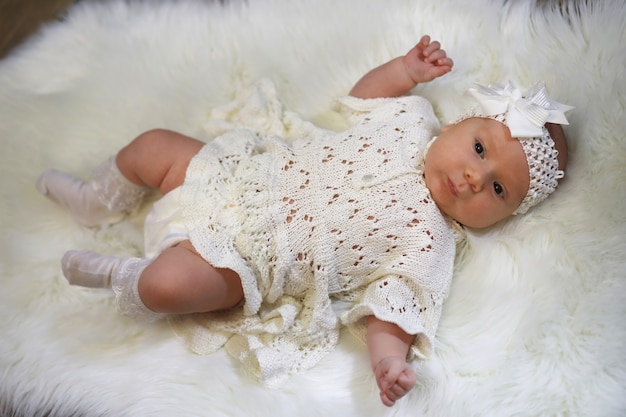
158	158
179	149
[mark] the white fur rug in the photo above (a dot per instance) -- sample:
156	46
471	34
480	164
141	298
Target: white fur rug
534	325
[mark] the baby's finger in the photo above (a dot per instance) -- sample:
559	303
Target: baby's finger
386	400
436	55
396	391
432	47
422	44
406	380
445	62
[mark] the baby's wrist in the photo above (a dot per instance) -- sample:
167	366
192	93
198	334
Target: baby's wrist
410	76
387	359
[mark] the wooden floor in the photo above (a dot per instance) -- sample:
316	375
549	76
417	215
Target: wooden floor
21	18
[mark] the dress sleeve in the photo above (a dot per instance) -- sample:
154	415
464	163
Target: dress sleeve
401	301
354	109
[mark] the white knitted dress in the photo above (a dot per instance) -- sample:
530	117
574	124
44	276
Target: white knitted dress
340	215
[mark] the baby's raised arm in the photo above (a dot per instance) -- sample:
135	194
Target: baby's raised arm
424	62
388	346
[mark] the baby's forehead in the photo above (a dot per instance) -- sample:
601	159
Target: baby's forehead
495	128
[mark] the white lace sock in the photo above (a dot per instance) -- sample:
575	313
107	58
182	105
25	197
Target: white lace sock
90	269
106	199
125	282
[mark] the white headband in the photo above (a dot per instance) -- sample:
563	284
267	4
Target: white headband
526	115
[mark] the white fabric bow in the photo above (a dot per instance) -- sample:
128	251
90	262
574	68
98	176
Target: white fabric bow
526	114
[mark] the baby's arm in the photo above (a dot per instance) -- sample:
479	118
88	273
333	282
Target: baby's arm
388	346
424	62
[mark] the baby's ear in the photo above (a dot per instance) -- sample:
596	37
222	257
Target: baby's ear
560	143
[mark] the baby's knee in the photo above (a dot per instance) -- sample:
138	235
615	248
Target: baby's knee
148	139
142	146
162	289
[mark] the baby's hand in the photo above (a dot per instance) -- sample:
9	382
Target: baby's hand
395	378
427	61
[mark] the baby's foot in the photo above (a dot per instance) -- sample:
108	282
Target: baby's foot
78	197
89	269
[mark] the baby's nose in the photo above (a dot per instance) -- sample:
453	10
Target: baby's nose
475	177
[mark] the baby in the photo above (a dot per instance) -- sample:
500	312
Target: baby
256	235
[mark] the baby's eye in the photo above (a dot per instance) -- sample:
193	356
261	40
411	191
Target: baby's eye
498	189
478	147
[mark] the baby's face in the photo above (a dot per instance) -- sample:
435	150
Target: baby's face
476	172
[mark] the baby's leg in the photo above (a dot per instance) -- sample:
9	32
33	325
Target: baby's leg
155	159
180	281
177	281
158	159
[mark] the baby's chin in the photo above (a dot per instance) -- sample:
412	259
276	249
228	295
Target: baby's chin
479	221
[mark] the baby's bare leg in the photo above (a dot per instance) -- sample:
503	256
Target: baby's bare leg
155	159
158	159
180	281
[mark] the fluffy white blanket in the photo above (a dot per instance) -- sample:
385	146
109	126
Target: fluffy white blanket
534	325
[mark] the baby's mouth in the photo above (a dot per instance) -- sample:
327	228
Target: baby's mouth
453	190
